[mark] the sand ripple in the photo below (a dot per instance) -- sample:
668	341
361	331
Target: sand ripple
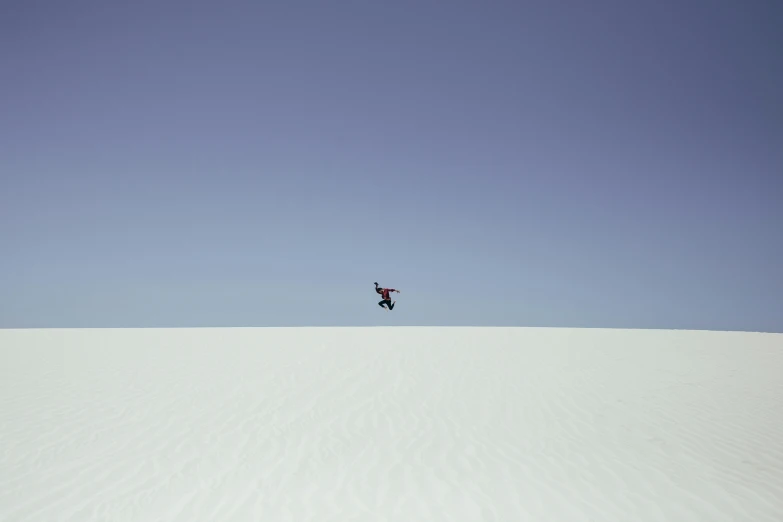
390	425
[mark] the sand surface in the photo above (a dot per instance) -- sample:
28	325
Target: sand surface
390	424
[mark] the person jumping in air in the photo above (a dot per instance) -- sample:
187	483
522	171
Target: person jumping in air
386	302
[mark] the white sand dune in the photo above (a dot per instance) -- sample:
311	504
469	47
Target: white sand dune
390	424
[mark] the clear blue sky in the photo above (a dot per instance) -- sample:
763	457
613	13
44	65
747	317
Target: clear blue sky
606	164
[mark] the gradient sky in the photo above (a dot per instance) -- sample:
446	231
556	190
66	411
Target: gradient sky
601	164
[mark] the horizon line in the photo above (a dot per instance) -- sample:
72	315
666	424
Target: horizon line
441	327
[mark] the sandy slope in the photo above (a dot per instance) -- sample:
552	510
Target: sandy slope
403	424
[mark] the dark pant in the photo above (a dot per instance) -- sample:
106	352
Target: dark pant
386	302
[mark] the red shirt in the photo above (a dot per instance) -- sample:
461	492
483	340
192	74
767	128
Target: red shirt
385	292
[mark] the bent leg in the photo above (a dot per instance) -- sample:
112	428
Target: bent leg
381	303
390	305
